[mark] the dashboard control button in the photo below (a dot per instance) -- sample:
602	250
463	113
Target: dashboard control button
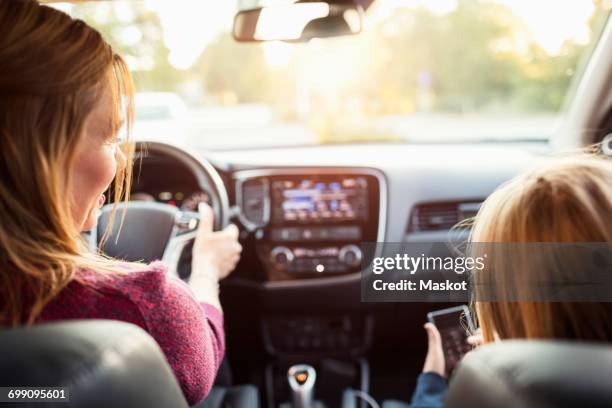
281	256
350	255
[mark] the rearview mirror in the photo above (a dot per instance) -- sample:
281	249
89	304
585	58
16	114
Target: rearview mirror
297	22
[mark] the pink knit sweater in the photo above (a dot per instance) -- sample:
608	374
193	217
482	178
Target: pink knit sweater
189	333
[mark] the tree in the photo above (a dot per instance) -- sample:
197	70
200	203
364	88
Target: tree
231	69
137	34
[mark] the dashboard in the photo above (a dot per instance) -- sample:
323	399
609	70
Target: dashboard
304	211
184	198
310	222
164	179
418	176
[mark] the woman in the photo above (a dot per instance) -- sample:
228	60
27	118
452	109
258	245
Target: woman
567	200
61	93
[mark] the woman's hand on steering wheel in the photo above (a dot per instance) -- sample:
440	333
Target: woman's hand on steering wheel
215	253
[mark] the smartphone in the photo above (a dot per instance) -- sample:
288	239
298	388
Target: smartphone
455	324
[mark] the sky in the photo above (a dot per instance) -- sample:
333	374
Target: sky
550	21
188	29
554	21
182	24
190	25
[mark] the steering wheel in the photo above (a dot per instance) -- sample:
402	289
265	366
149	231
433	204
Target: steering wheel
152	230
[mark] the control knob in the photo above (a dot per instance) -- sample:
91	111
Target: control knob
350	255
281	256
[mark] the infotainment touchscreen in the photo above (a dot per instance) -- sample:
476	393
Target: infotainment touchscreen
311	200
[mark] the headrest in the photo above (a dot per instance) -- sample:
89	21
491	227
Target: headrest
103	363
533	374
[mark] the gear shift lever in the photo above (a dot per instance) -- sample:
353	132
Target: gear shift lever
301	380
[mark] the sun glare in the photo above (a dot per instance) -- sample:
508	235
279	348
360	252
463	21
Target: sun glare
566	22
277	54
551	22
190	25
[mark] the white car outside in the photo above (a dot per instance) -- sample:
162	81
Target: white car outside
160	117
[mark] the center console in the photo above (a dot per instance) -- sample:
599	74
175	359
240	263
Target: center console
305	227
310	222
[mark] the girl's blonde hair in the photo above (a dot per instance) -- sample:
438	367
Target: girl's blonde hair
53	69
566	200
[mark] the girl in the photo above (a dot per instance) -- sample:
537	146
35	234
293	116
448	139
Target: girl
566	200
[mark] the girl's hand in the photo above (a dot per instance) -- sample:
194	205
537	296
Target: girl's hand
476	339
434	361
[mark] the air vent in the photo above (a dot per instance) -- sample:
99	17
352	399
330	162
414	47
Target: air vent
441	216
254	201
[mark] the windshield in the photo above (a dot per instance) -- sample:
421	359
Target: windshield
420	71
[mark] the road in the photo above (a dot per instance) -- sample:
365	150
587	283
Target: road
256	126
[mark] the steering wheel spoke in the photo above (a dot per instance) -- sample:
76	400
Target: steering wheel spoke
151	231
183	233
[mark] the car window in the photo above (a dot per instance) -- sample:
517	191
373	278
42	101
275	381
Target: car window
420	71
